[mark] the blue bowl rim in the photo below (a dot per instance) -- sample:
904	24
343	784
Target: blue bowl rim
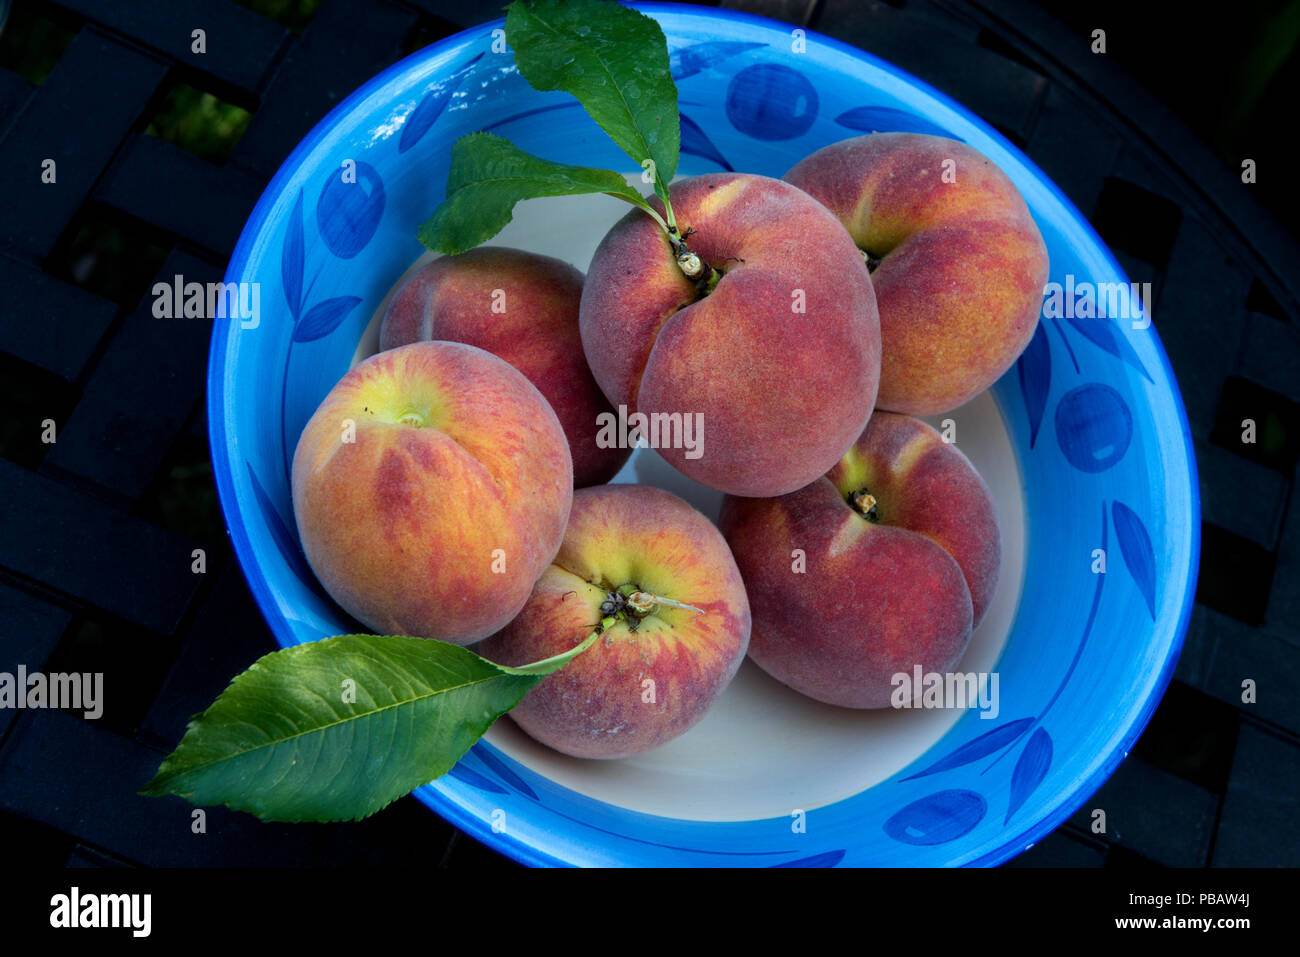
479	829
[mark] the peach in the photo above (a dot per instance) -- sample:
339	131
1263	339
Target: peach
650	676
524	308
885	563
957	262
431	488
779	361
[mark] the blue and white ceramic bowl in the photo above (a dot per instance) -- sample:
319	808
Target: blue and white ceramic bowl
1084	444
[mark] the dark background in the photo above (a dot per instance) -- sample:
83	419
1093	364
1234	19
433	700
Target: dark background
161	156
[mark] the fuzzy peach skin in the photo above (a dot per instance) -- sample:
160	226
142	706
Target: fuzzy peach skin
874	598
456	455
524	308
962	265
781	358
598	705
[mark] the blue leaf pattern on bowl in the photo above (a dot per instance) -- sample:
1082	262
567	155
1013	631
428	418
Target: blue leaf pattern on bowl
885	119
502	770
286	540
323	318
1030	769
291	259
825	859
474	779
978	747
688	61
695	142
1093	427
348	213
769	101
1065	341
522	114
1034	367
1102	332
426	114
1135	546
937	818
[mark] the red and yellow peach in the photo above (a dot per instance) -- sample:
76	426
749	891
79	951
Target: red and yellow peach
885	563
524	308
431	488
958	264
647	679
781	358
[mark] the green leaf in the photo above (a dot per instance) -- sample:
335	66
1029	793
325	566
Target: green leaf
615	61
489	175
283	742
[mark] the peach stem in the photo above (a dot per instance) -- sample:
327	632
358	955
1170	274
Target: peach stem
643	603
864	503
692	266
553	663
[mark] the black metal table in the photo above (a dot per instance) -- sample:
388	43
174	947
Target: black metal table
91	524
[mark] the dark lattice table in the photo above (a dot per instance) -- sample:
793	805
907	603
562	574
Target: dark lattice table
97	529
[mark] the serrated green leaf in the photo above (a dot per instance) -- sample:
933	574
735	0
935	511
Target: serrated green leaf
284	743
615	61
489	175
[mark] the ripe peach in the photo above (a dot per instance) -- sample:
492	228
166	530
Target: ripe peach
781	358
958	264
647	679
885	563
524	308
430	489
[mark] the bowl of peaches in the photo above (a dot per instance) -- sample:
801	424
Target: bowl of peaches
781	431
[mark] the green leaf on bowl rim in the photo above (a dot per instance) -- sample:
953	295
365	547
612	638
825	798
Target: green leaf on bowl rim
489	175
615	61
282	742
